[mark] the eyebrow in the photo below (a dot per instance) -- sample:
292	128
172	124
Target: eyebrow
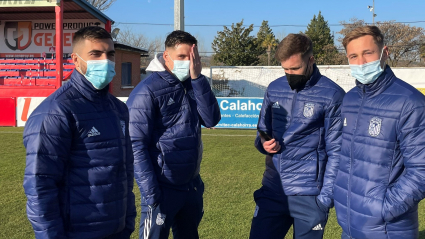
354	54
292	68
98	51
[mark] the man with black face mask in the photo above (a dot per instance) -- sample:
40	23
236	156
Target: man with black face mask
301	115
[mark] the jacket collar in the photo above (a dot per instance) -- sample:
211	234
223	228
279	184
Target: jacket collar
86	88
158	65
386	78
314	78
170	78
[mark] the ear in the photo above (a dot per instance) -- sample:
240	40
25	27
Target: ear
386	53
75	59
168	61
165	55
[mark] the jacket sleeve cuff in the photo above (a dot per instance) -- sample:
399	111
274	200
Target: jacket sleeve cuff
201	85
199	77
154	199
326	202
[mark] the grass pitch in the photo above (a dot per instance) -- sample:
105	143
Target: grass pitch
232	170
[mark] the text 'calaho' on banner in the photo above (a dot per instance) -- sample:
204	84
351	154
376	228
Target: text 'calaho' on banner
239	113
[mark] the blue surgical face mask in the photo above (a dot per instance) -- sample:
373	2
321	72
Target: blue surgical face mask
367	73
181	69
99	72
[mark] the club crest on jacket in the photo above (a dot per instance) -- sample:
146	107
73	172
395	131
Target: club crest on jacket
308	110
160	219
375	126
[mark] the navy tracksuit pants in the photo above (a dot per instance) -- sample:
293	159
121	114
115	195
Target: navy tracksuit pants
275	213
180	210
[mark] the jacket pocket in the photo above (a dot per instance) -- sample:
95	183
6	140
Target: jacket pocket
161	157
67	221
317	166
319	147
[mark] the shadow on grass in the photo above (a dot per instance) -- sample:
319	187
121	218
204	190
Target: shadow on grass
422	234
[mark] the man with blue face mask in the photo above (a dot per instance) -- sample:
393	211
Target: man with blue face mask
381	173
79	166
167	110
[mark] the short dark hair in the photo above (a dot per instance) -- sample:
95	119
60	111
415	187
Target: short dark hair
364	31
294	44
90	33
180	37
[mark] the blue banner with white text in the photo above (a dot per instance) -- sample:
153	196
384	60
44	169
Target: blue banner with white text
239	113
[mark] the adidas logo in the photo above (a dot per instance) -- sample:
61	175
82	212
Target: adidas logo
318	227
345	121
170	101
276	105
93	132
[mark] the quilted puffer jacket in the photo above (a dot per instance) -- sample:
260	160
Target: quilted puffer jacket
381	175
307	125
165	128
79	164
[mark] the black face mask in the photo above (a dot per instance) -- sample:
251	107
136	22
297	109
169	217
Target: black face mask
297	82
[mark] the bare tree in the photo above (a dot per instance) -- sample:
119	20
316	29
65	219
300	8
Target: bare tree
422	52
280	35
331	56
202	49
404	41
128	36
102	5
349	26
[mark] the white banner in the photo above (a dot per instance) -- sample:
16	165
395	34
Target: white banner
123	99
25	106
33	38
29	3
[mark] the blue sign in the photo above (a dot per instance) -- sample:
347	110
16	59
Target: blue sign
239	113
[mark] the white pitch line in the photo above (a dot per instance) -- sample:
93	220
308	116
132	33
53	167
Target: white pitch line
10	132
231	135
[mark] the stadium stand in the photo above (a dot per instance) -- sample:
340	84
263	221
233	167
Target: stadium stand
32	71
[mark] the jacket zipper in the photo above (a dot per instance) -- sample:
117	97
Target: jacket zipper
190	113
351	160
294	98
107	107
68	206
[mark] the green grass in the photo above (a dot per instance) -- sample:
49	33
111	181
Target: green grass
231	169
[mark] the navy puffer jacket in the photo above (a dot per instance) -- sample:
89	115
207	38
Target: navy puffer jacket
381	175
307	125
79	165
165	127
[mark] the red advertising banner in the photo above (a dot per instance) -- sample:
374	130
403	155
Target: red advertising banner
33	38
8	111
